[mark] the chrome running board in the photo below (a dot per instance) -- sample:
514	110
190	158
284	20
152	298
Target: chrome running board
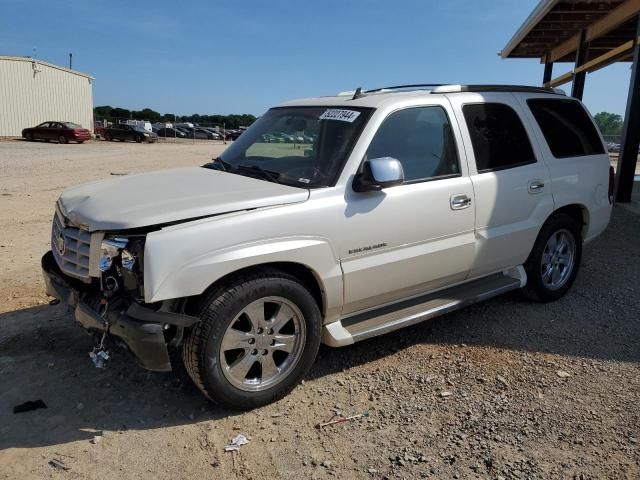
409	312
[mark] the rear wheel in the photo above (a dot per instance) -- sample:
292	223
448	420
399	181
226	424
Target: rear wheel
258	336
108	137
63	139
554	261
139	138
29	137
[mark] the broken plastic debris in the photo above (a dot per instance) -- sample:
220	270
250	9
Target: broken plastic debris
337	418
58	464
99	358
28	406
236	443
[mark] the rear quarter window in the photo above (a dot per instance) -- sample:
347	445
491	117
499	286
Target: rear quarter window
566	127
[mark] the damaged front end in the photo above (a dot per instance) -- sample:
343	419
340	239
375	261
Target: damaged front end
100	278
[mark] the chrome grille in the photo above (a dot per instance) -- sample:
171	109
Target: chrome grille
74	257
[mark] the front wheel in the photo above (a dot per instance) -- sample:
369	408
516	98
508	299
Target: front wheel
63	139
258	336
554	261
108	137
139	138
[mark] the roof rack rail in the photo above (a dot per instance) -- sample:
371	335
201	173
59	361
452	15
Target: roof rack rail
401	87
453	88
495	88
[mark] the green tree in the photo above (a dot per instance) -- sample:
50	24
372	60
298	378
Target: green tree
609	123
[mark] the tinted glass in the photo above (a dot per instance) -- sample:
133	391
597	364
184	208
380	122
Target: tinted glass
421	139
566	126
498	137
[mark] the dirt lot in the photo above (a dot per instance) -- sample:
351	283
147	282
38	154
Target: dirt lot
505	389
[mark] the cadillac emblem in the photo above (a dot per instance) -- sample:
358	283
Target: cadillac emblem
60	244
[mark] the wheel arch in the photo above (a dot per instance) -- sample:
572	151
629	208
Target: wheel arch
579	213
303	273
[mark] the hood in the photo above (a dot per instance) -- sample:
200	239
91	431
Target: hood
167	196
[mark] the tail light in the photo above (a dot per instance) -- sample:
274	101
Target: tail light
611	184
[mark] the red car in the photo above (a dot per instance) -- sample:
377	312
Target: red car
62	132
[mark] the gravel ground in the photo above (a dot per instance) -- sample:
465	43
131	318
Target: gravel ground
504	389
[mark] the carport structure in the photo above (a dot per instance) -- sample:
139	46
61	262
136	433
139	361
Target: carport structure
592	35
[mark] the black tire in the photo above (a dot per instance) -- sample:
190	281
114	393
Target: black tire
62	139
108	137
81	141
201	351
537	289
29	137
139	138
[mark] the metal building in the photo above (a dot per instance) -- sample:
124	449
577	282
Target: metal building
33	91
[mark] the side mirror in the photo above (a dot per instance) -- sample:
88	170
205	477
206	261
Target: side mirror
379	173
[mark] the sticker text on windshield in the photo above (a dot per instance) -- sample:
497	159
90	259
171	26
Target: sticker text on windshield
342	115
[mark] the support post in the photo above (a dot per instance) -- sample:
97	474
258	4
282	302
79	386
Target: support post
630	130
577	89
548	72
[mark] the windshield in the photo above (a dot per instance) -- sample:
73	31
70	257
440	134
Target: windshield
298	146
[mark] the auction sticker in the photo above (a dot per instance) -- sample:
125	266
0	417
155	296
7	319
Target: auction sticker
342	115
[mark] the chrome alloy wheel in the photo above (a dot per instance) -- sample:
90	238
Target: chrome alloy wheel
558	259
263	344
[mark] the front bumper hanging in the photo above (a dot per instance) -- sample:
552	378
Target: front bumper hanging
140	328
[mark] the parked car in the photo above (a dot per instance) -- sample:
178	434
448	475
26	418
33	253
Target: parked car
215	134
198	133
410	205
62	132
171	132
235	134
124	132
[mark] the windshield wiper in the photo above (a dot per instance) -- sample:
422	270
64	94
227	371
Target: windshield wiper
218	164
258	171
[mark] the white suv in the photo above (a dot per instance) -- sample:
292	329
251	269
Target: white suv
333	220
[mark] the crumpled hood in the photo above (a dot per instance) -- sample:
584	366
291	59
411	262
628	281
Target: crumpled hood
166	196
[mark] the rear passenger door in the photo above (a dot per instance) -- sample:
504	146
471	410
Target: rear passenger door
509	177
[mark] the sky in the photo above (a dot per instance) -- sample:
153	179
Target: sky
243	56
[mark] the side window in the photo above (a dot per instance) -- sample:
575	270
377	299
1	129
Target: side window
567	128
421	139
44	125
498	137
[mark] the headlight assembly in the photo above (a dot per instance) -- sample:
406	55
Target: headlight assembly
112	248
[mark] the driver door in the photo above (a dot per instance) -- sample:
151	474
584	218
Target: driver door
418	236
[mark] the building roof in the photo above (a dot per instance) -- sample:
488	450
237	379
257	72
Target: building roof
552	30
41	62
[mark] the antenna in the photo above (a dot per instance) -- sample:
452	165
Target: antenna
70	61
357	94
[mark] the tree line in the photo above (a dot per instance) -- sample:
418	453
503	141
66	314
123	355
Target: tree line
230	121
609	123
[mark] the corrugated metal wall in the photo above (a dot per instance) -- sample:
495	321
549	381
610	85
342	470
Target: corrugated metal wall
29	97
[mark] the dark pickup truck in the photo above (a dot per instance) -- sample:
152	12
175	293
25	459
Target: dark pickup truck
124	132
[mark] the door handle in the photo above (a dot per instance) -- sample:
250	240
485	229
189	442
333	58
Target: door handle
460	201
536	186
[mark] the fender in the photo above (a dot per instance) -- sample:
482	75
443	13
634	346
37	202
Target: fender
166	279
